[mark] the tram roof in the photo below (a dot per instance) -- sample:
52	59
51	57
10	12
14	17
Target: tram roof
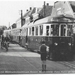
16	28
64	16
39	22
72	4
47	20
6	30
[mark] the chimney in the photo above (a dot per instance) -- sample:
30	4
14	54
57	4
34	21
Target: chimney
27	10
47	4
30	8
44	4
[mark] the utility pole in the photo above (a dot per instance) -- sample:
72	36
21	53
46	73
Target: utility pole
21	18
9	25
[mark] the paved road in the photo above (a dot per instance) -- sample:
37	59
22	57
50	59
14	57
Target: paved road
19	60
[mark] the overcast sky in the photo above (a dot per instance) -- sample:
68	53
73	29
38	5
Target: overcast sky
10	9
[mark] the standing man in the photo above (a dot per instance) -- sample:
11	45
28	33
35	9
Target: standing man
43	55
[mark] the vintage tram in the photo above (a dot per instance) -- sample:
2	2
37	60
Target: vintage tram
57	35
56	30
15	34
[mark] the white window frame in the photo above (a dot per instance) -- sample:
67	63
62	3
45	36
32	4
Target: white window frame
60	29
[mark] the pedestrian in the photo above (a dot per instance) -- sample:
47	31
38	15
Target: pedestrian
43	53
2	41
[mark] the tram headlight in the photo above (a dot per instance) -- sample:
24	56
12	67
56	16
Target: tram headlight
56	44
69	44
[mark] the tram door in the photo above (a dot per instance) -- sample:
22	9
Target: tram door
26	38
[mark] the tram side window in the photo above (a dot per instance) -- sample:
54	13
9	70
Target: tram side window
41	29
47	30
52	28
26	31
32	30
55	30
29	31
22	31
36	30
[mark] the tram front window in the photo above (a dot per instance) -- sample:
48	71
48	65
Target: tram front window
66	30
55	30
69	30
63	30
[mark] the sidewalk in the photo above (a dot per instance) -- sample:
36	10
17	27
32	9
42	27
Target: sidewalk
18	59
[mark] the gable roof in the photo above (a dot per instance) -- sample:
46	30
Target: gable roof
72	3
47	9
26	13
30	12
